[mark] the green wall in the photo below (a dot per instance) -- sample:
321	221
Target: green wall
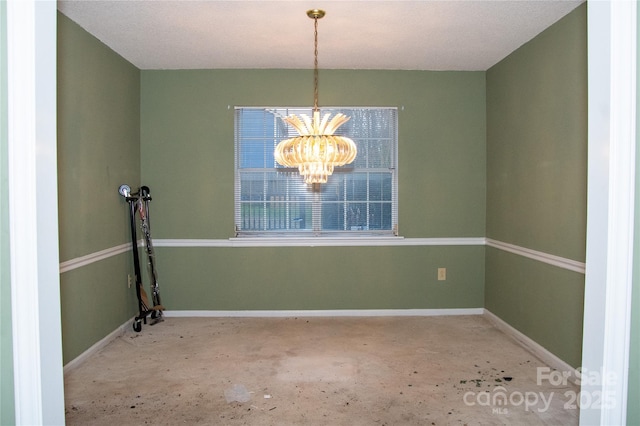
98	150
187	142
187	125
292	278
536	184
633	395
7	402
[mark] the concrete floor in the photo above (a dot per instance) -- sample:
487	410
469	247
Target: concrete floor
315	371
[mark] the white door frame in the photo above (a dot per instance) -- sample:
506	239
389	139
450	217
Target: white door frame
612	55
33	207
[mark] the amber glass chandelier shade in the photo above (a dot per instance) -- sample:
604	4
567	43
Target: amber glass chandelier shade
316	151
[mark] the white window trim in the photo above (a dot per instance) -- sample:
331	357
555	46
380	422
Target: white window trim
330	235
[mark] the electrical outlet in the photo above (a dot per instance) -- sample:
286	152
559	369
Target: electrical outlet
442	274
129	280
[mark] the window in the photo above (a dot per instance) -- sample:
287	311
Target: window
360	199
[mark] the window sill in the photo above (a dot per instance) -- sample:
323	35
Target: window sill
320	241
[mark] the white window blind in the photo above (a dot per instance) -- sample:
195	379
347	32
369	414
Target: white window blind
359	199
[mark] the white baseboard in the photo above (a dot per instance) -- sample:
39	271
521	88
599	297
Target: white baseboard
77	361
535	348
328	313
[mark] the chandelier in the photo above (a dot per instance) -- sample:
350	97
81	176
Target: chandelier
316	151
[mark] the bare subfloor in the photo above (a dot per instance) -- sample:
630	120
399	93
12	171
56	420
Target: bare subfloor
316	371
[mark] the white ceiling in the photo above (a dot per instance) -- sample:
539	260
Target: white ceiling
400	34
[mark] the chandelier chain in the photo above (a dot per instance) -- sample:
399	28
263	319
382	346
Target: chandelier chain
315	64
316	151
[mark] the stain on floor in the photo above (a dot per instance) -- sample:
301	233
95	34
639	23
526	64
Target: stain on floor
453	370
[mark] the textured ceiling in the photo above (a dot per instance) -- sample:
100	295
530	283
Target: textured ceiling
410	35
